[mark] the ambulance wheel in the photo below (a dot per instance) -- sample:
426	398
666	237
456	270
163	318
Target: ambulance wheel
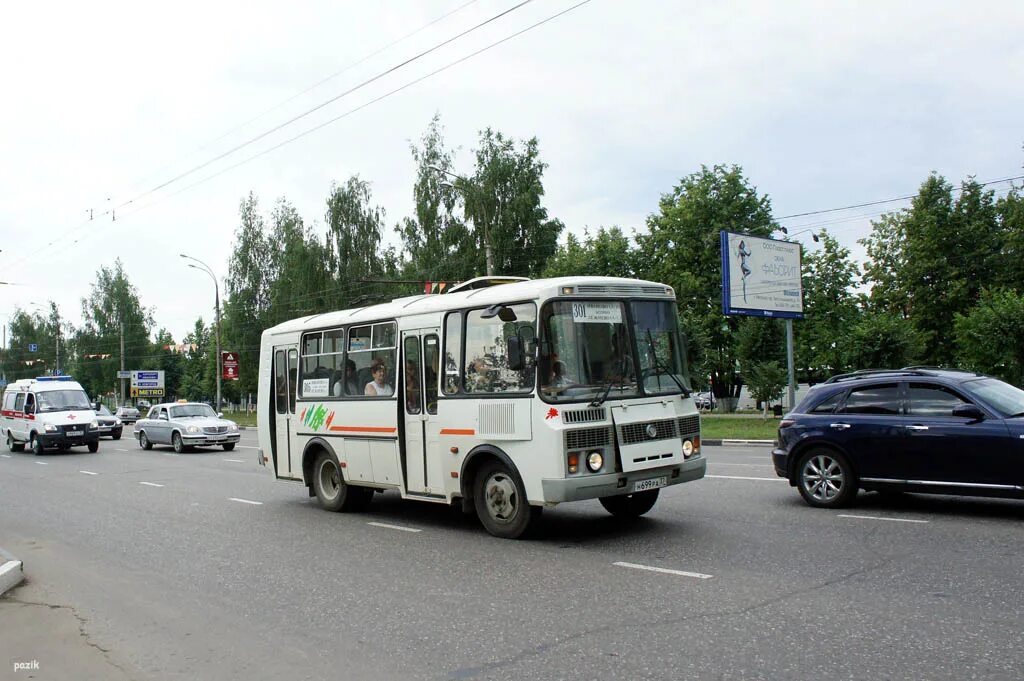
14	446
35	444
93	447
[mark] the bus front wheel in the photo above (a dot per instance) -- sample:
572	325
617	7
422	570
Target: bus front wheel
331	490
501	502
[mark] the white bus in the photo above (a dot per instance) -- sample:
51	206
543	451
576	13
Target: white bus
505	395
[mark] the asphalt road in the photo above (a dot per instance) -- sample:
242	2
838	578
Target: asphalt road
200	566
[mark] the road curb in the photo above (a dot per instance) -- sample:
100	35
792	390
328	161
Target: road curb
732	443
12	572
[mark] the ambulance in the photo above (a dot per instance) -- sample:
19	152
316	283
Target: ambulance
49	412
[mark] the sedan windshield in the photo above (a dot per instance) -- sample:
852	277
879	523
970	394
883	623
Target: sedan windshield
1003	397
63	400
193	410
585	352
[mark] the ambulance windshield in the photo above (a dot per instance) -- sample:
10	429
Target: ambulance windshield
63	400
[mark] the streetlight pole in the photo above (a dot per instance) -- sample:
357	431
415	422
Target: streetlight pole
216	292
471	191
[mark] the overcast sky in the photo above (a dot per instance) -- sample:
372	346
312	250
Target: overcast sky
823	104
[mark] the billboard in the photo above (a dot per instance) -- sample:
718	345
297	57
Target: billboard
761	277
229	366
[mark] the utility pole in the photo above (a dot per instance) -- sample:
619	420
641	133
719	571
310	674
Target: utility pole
216	299
56	314
122	361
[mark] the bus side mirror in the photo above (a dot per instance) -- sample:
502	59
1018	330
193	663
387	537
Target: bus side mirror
514	352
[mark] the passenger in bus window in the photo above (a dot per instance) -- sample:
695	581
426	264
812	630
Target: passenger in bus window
378	386
412	389
347	384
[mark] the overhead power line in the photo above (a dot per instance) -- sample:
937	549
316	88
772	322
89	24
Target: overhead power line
878	203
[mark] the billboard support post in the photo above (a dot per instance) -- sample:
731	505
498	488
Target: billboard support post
789	364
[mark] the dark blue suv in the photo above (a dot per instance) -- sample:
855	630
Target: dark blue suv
918	429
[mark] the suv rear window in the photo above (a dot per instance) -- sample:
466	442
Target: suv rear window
873	399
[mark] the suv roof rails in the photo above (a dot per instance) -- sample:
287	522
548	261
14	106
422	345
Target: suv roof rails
935	368
909	371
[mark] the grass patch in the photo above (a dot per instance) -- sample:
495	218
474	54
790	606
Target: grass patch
738	427
241	418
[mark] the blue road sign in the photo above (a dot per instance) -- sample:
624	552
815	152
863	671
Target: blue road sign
32	347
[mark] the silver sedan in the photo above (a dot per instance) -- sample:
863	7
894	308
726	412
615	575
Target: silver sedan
184	425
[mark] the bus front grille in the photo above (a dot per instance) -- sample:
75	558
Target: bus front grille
635	433
584	438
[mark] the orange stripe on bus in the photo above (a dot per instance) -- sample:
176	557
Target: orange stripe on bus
363	429
458	431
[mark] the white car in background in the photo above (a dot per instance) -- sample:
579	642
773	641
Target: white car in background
185	425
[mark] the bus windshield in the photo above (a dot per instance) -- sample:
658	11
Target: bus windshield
659	348
591	350
585	352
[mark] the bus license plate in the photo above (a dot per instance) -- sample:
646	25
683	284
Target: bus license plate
653	483
73	433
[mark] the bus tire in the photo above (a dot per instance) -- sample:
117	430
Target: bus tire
331	490
630	505
501	502
14	446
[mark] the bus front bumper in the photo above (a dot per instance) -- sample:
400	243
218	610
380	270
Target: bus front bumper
557	490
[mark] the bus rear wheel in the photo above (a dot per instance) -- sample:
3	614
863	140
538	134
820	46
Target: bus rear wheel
331	490
501	502
630	505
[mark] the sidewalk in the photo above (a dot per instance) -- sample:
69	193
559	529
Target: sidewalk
46	641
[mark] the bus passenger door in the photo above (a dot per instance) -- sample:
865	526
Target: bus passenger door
286	365
418	383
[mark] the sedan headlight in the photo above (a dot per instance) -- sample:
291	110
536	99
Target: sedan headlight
117	422
233	427
192	429
50	428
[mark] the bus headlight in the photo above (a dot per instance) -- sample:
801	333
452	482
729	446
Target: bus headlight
687	449
595	461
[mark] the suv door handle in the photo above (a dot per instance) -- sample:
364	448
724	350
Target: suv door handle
839	426
916	427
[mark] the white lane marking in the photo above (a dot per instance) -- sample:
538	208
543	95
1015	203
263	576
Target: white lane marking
246	447
651	568
120	450
42	463
743	477
6	456
892	520
151	484
88	472
235	460
245	501
395	527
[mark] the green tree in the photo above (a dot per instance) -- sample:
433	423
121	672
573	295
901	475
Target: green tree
830	310
247	295
682	250
883	340
112	305
767	381
503	200
990	337
26	329
609	253
436	241
1009	268
355	229
198	378
166	359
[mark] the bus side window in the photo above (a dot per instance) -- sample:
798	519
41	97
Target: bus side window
452	352
280	382
431	345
